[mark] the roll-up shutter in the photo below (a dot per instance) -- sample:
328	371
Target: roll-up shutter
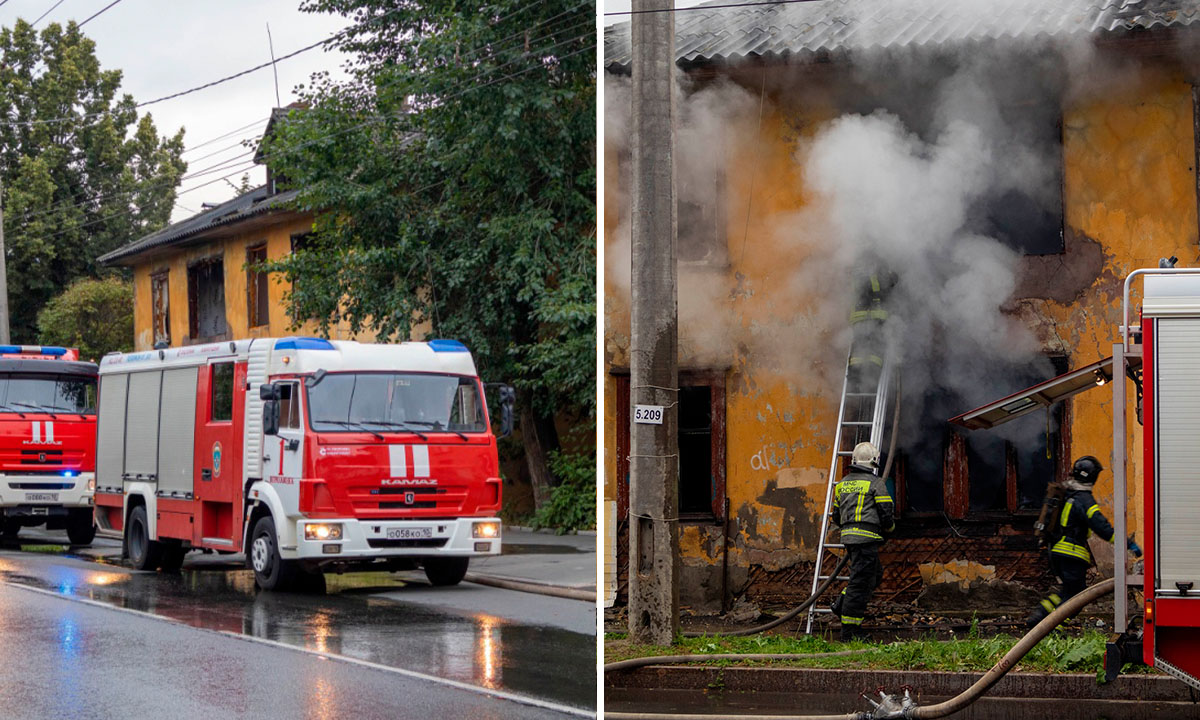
141	424
110	433
177	430
1178	455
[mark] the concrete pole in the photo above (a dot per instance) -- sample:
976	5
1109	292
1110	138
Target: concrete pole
654	456
4	340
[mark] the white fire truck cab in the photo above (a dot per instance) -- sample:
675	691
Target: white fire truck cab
306	454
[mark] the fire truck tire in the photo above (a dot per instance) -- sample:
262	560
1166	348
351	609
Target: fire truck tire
144	553
445	571
81	529
271	571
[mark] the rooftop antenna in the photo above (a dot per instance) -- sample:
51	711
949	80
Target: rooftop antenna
274	65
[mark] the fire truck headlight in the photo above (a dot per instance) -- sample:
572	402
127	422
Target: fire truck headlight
323	531
485	530
92	485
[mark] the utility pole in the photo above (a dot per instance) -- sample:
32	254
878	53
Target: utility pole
3	278
654	381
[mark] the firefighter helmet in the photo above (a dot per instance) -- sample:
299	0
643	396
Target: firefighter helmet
1086	469
865	455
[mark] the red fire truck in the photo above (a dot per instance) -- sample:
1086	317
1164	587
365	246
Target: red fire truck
47	440
1160	359
307	454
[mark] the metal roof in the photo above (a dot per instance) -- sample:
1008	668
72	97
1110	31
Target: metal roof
807	30
242	207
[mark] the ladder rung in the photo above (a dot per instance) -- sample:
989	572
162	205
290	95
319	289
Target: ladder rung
822	610
845	452
835	546
858	422
850	394
839	577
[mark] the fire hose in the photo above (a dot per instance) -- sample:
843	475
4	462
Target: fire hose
893	707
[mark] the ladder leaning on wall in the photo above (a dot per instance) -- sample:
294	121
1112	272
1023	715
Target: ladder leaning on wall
861	416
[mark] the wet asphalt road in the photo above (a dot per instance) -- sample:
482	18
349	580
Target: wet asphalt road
104	661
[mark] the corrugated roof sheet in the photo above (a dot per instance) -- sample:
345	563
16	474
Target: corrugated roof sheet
252	203
806	29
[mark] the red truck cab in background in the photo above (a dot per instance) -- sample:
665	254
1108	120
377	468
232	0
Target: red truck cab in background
306	454
47	440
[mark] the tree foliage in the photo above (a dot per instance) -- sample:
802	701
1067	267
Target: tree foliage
82	173
453	177
93	315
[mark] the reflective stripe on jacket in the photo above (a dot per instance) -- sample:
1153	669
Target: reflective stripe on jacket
1080	517
862	507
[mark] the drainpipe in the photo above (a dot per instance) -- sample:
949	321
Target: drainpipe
725	562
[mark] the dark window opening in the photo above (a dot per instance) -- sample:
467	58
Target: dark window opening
257	288
206	301
221	393
981	471
701	435
289	406
160	307
695	451
301	242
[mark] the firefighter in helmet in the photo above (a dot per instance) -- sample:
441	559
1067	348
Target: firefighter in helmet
866	325
1070	556
864	513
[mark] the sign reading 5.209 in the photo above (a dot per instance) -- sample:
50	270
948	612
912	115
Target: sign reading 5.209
648	414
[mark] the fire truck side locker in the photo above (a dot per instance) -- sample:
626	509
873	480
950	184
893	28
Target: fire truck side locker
1171	443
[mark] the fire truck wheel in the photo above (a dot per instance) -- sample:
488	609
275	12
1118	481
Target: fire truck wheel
81	530
144	553
445	570
271	571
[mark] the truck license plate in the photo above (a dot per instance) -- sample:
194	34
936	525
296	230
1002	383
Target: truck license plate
420	533
41	497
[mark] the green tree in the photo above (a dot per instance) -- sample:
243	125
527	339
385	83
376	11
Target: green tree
93	315
454	179
82	173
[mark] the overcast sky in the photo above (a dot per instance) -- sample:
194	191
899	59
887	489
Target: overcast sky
164	47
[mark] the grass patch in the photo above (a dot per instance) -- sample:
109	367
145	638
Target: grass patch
1057	653
52	549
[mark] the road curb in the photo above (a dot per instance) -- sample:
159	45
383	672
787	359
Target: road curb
548	531
929	684
532	587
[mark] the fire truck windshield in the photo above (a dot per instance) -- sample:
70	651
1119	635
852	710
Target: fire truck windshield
391	402
29	392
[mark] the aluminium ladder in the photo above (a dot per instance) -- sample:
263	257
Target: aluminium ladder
861	416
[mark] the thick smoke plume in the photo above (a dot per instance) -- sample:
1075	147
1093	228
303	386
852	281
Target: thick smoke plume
930	175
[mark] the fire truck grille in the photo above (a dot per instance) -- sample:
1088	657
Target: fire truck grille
401	505
41	486
369	501
382	543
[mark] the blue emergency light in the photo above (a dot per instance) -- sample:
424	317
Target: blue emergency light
51	350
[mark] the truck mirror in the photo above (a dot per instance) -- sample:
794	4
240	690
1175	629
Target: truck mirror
508	398
271	417
267	391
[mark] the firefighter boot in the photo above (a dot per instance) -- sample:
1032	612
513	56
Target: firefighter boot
851	632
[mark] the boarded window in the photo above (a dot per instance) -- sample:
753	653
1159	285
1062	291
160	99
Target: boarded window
221	392
160	307
206	301
289	407
257	296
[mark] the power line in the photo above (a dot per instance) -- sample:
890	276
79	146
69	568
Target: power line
709	7
97	14
35	22
222	137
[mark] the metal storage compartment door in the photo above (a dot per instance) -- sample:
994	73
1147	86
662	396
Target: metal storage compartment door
177	430
1177	393
110	433
141	424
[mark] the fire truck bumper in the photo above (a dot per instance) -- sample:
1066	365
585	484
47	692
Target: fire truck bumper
39	494
397	538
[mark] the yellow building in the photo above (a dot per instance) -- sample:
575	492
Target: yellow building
195	282
815	143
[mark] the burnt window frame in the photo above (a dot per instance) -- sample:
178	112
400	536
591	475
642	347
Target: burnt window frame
258	287
160	288
194	269
715	379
